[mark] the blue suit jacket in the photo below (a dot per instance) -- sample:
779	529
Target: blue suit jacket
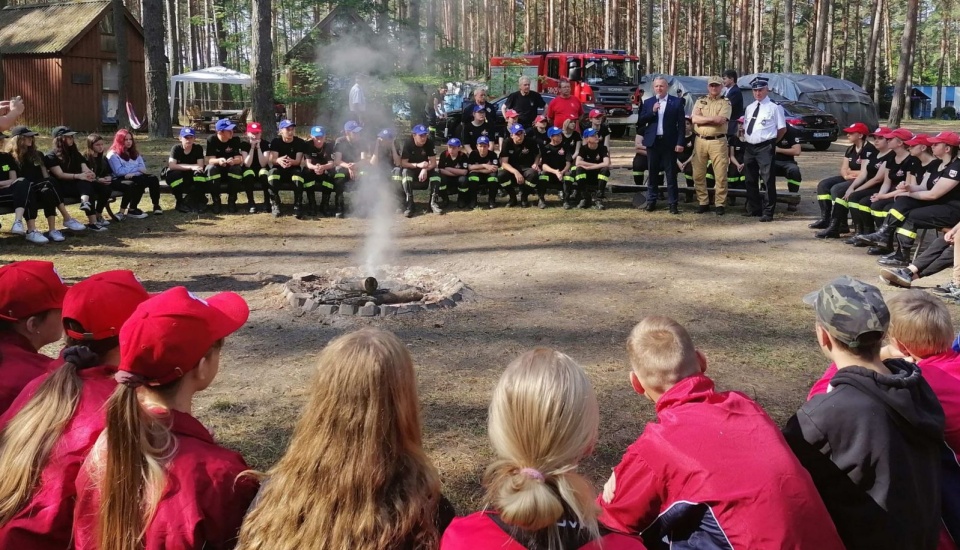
673	121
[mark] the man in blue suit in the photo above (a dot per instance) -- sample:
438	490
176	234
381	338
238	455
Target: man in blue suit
664	118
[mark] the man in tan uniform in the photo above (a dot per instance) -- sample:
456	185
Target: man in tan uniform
711	114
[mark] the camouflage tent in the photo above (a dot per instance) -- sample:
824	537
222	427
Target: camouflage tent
845	100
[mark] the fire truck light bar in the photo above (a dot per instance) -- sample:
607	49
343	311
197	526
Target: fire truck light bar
612	52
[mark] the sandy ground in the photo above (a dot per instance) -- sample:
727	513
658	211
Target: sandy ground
576	281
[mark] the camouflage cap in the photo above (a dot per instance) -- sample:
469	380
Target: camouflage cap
848	309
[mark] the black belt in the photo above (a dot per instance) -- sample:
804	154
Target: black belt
708	138
763	143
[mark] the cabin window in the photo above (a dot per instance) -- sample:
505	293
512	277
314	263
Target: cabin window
110	97
553	68
108	39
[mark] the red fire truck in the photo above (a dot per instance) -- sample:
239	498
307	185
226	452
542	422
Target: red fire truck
601	79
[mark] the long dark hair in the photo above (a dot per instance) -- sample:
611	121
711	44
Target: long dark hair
66	153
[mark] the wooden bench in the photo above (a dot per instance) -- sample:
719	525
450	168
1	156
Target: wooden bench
784	197
4	210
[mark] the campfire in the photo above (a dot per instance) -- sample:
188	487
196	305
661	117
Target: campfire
393	290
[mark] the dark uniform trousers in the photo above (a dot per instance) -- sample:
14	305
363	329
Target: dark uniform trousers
97	192
257	177
478	180
639	168
17	195
933	215
568	185
43	194
310	182
531	184
935	258
410	181
790	171
279	176
758	165
450	185
229	176
861	214
590	183
185	183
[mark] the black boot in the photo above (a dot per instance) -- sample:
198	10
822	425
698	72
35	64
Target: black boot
832	230
311	204
541	201
491	199
826	206
880	237
900	258
858	228
338	205
513	198
408	205
215	199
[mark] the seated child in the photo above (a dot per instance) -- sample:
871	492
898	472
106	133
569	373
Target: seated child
714	468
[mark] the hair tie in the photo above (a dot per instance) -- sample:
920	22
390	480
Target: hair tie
81	356
532	473
129	379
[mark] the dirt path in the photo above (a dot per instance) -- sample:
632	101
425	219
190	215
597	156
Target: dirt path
576	281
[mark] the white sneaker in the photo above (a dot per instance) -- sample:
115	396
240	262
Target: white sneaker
102	221
18	228
56	236
36	238
74	225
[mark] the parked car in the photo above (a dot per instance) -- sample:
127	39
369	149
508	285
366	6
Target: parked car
815	126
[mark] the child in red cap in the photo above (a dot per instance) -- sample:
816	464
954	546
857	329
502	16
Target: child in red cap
31	296
55	421
543	421
155	478
714	468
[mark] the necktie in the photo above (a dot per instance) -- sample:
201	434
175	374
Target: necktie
753	120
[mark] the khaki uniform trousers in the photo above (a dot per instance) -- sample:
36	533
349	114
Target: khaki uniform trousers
715	150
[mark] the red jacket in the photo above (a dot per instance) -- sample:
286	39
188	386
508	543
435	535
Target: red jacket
938	371
46	522
480	531
715	467
19	364
202	505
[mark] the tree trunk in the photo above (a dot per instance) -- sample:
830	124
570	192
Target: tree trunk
123	62
431	46
788	20
820	39
906	49
261	65
945	16
828	46
173	52
757	35
649	59
158	104
220	34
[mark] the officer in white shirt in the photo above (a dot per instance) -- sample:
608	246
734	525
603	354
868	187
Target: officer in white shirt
764	124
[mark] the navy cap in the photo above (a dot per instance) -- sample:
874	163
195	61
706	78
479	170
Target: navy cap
318	131
352	126
589	132
554	131
224	125
62	131
386	133
480	108
759	83
287	124
420	130
516	129
453	142
187	131
483	140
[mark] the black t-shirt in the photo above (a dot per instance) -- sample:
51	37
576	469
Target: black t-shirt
522	155
491	158
349	150
949	171
284	149
541	137
446	161
31	168
245	147
556	156
416	154
572	140
687	152
738	148
897	171
182	157
603	131
7	165
868	158
789	139
594	156
526	106
99	165
384	152
317	155
926	174
223	149
72	165
856	158
470	133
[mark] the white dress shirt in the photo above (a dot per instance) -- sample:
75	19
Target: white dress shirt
663	107
769	117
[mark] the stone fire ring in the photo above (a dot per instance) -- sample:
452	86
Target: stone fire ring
440	291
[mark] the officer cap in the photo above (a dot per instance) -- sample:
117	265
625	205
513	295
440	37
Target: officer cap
759	83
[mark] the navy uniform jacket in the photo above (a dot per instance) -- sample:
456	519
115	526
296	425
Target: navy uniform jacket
735	95
673	121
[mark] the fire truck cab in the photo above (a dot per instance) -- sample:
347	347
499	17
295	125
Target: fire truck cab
600	79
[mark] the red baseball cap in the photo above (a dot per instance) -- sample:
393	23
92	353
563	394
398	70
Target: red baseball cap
946	137
28	288
882	131
168	335
539	119
919	139
902	134
254	128
510	113
102	302
857	128
595	113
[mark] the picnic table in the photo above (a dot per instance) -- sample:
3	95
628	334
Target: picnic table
206	120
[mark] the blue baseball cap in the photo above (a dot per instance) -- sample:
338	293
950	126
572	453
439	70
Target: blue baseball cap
187	131
318	131
224	124
386	133
516	129
589	132
478	108
420	130
352	126
483	140
287	124
554	131
453	142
